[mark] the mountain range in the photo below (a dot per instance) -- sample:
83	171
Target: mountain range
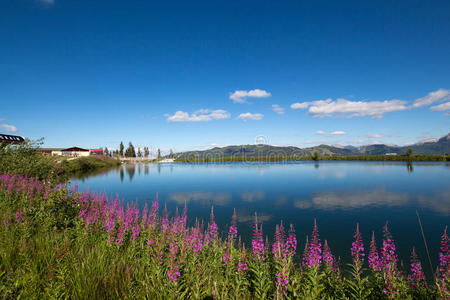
439	147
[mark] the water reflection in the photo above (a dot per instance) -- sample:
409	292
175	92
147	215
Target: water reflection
131	169
439	202
203	198
121	174
252	196
409	166
353	199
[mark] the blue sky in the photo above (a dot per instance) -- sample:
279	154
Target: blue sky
196	74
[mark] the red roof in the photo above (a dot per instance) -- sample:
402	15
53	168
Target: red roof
74	149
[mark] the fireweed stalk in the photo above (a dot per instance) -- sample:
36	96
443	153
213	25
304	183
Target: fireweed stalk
139	254
358	285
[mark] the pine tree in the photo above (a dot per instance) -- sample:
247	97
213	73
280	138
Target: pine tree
146	152
139	153
106	151
159	153
121	147
171	153
130	152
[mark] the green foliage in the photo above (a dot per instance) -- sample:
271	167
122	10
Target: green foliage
130	152
23	159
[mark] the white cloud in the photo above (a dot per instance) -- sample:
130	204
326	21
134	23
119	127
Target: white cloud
439	95
239	96
374	135
250	116
8	127
201	115
375	109
278	109
347	108
441	107
334	133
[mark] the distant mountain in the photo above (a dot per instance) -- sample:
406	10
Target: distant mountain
440	146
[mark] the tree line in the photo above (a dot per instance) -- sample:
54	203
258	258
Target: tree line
131	151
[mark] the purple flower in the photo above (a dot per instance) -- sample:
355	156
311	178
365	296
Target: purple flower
291	242
257	242
226	259
388	255
165	220
173	274
416	278
278	247
195	240
328	258
212	234
232	232
374	259
444	256
305	253
19	216
242	265
135	231
357	247
315	248
282	282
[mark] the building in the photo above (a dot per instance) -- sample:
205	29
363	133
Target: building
95	151
72	151
11	139
50	151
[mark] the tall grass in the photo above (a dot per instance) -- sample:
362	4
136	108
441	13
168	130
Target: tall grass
61	243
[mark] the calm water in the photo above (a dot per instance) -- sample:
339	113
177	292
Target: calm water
337	194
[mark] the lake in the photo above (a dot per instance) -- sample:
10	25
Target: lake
338	194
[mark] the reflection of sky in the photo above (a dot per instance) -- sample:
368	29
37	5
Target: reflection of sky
328	186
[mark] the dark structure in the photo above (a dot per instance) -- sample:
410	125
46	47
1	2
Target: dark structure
11	139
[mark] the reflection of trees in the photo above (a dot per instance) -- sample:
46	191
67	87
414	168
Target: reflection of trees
316	165
121	174
139	169
146	169
409	166
131	169
159	168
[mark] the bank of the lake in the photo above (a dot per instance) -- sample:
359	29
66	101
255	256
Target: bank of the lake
407	158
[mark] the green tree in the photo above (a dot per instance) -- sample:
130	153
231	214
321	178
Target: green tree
159	153
121	147
130	152
146	152
139	153
171	153
315	156
409	153
106	151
